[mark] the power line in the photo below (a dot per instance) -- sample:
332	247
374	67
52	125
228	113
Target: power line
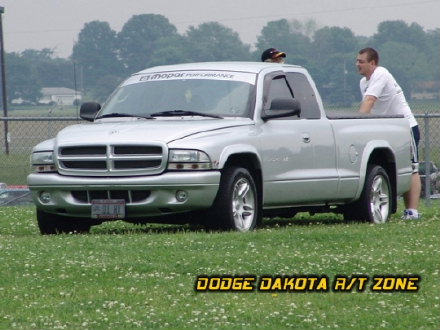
315	12
318	12
43	31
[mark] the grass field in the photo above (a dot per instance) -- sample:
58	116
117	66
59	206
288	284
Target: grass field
122	276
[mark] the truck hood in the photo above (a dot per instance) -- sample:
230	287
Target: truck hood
130	130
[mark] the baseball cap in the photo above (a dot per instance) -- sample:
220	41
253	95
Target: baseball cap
271	53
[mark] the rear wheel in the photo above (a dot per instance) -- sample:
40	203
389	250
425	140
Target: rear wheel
237	205
375	202
57	224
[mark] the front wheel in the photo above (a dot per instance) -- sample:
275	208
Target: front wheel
58	224
376	199
237	206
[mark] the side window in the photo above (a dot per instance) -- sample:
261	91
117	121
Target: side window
304	94
278	88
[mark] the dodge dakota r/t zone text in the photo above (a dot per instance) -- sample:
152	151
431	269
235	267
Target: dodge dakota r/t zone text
223	144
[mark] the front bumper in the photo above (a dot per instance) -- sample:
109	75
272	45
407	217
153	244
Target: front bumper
144	195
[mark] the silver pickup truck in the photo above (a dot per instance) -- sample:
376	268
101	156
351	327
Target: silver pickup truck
223	144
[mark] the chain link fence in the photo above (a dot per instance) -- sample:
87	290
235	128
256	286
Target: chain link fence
20	134
429	153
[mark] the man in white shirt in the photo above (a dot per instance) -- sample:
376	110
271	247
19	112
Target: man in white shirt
383	95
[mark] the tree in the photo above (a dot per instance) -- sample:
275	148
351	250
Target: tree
52	72
22	82
432	54
332	40
406	72
286	37
337	79
334	50
139	37
408	52
215	42
95	53
399	31
307	27
170	50
101	58
106	85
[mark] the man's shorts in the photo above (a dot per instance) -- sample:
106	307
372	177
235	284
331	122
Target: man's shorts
415	138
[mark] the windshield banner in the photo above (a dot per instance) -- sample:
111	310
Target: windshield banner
182	75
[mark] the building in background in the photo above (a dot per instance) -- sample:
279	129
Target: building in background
60	96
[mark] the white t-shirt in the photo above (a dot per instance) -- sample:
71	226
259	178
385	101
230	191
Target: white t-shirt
390	97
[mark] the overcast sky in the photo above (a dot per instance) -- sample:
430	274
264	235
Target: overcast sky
55	24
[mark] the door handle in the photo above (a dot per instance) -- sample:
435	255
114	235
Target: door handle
306	138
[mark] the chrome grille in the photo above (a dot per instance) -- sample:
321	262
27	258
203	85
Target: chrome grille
112	160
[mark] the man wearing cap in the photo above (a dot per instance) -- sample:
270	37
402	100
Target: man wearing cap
273	55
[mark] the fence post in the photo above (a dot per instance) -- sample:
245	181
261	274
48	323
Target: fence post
3	78
427	162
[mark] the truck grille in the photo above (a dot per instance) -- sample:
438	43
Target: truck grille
130	196
112	160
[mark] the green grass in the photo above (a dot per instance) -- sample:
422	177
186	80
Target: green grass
44	111
122	276
14	168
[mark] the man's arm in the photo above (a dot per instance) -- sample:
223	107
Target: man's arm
367	104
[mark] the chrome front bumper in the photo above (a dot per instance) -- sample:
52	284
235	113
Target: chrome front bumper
144	195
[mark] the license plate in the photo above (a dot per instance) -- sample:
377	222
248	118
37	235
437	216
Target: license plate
108	209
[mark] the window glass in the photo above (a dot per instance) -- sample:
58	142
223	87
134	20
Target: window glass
304	94
217	93
278	89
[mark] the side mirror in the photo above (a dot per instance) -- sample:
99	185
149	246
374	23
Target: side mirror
89	110
282	107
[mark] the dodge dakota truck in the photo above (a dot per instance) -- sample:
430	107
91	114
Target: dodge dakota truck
224	144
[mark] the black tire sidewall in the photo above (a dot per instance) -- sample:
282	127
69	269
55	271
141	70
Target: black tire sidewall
360	210
222	213
56	224
372	173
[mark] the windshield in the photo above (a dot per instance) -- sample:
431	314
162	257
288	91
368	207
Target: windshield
213	93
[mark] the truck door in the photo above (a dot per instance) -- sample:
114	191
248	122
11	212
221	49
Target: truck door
299	155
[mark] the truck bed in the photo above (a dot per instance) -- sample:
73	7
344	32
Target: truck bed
347	114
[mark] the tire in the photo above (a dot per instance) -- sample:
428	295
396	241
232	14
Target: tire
237	205
50	224
375	203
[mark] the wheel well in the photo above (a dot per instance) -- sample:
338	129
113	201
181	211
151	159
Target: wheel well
250	162
385	158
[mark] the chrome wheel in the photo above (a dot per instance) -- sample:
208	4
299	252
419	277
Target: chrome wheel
380	199
243	205
237	204
376	201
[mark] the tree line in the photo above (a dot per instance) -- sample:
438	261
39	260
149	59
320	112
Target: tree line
101	57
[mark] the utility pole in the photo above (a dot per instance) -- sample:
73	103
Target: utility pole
3	74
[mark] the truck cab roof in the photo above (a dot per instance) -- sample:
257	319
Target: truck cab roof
252	67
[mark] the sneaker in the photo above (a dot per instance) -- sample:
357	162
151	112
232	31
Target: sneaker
409	215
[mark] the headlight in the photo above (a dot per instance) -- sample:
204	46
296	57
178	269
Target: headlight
43	162
180	159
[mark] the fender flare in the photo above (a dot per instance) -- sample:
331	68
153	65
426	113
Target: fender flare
369	149
236	149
